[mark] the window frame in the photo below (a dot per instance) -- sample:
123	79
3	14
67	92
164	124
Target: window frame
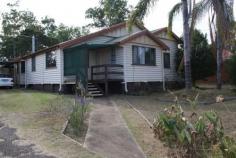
52	65
151	49
166	66
22	68
33	63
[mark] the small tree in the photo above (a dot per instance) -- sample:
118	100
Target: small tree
202	60
109	12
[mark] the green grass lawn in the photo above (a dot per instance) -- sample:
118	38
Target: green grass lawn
150	105
39	118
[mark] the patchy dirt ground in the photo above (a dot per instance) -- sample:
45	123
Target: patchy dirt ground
33	125
12	146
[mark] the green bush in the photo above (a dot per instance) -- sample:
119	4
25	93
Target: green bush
231	68
193	136
202	60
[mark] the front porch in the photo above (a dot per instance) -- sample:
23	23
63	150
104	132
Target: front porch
97	67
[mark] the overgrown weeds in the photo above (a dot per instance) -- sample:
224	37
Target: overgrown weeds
77	118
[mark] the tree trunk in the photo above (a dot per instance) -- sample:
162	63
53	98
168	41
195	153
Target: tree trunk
186	31
219	52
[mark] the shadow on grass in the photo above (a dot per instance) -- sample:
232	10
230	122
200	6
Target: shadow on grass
9	147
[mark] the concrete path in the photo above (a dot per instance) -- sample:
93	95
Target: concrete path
108	134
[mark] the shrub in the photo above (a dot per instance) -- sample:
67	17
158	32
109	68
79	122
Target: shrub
193	136
230	66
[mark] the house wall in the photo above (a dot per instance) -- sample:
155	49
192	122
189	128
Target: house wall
138	73
43	75
170	74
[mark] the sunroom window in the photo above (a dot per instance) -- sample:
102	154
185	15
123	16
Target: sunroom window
144	55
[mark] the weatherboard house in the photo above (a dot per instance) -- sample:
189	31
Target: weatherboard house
112	59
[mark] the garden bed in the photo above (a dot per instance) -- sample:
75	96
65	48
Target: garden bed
80	137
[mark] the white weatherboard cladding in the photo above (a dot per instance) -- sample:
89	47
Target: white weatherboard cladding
139	73
44	75
170	74
123	31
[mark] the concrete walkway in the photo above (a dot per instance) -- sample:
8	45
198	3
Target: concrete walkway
108	134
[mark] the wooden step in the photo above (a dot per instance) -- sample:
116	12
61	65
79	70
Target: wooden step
94	90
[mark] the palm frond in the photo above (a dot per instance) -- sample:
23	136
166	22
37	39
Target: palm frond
139	12
174	11
200	9
225	17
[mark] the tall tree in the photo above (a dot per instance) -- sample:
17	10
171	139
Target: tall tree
64	33
202	60
109	12
141	10
19	26
223	19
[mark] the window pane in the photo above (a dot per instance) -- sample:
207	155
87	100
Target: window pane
51	59
153	56
166	60
33	64
141	54
23	67
144	55
147	56
135	55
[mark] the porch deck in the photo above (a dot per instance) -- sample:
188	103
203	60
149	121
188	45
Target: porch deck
101	74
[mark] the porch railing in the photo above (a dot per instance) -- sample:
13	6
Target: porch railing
107	72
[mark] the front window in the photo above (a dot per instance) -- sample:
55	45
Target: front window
144	56
167	60
51	59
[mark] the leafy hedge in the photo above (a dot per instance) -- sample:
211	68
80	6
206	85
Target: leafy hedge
231	68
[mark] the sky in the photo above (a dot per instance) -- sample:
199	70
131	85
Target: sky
72	12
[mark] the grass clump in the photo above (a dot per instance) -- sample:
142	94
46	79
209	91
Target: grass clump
77	118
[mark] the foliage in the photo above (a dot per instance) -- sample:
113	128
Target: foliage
109	12
195	135
80	108
202	59
186	6
221	18
77	118
64	33
19	26
231	42
230	67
